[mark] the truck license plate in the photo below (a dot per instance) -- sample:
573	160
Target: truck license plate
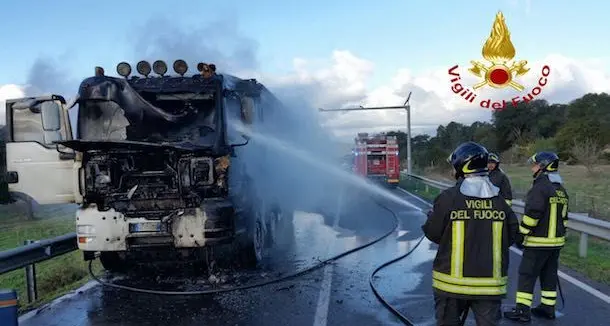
145	227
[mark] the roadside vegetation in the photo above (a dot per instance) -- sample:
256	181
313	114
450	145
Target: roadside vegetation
578	131
587	191
54	277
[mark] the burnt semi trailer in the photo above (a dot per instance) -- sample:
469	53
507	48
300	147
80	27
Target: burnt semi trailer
151	164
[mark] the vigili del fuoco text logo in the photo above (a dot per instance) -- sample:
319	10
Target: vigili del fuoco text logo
498	70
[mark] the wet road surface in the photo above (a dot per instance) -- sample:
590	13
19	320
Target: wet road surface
337	294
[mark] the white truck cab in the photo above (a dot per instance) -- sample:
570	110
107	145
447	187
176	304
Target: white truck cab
36	166
149	165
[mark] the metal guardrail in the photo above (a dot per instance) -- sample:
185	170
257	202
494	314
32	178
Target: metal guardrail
35	252
578	222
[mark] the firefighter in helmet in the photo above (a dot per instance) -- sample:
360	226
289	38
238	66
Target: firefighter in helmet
474	228
499	178
541	235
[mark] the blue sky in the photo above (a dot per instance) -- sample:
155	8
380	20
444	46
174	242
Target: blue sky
416	34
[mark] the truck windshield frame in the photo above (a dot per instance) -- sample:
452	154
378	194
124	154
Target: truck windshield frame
119	110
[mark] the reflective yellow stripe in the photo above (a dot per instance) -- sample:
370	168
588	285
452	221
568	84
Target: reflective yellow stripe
470	281
548	302
564	214
497	249
469	290
543	242
457	249
525	298
456	282
549	294
523	230
509	202
529	221
553	221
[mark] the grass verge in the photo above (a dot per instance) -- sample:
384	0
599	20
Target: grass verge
587	190
595	266
56	276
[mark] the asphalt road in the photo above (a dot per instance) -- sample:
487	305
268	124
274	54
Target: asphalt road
338	294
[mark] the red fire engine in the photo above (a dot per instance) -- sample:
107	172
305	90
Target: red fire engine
376	157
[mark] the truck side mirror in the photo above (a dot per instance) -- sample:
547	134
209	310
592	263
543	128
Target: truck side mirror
51	120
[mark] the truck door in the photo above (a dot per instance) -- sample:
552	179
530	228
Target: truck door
36	167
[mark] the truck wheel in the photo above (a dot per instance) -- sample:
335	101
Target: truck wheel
252	252
112	262
274	221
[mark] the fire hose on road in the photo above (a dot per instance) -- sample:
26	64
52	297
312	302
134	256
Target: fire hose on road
319	265
254	284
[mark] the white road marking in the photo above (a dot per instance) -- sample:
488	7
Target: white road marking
583	286
321	316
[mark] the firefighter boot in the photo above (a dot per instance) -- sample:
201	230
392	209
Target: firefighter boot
544	311
520	314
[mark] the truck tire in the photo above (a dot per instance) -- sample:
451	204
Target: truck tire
112	262
251	252
274	220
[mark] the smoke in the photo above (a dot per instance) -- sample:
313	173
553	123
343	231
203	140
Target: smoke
219	42
276	177
48	76
282	178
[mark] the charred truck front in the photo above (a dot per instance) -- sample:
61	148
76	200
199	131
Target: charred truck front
150	164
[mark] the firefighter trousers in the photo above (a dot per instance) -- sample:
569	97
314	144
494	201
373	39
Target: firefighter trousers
543	264
449	311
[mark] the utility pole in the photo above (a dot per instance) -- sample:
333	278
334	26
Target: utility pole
406	106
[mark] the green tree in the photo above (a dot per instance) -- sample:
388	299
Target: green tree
517	131
588	117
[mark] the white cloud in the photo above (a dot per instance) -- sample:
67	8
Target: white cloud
342	82
8	91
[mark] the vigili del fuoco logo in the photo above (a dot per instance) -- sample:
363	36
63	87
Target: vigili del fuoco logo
498	70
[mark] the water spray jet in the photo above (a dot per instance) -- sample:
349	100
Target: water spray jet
336	171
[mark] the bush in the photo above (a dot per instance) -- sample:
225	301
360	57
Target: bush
518	154
544	144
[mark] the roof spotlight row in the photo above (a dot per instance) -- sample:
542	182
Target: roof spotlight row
144	68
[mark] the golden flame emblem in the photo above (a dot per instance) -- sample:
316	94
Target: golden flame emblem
499	51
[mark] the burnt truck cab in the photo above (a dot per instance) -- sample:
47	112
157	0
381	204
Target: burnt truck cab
150	164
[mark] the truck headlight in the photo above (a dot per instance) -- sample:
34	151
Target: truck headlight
85	229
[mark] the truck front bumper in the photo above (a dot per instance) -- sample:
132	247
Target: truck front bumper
211	224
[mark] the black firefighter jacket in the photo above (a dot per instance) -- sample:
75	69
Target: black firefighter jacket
499	178
474	236
545	219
